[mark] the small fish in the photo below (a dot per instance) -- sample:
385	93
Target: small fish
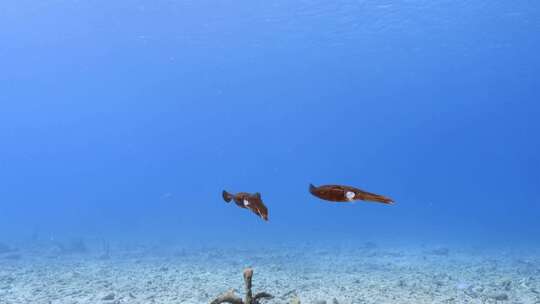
337	193
249	201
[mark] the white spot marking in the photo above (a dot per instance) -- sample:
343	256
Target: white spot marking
246	203
349	195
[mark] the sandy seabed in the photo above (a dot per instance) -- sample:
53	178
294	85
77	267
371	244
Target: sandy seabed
301	274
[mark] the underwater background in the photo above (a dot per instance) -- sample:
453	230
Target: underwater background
124	120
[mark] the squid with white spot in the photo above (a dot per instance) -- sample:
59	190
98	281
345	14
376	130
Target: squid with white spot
339	193
250	201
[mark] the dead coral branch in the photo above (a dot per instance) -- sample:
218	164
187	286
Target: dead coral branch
231	298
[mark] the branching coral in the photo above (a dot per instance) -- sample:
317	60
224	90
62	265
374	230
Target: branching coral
232	298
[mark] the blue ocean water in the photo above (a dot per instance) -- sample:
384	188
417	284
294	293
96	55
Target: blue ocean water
124	120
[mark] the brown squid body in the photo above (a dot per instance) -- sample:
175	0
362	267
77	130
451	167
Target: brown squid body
338	193
249	201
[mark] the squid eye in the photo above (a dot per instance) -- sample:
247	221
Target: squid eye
349	195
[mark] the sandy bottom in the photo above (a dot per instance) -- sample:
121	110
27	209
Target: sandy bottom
364	274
